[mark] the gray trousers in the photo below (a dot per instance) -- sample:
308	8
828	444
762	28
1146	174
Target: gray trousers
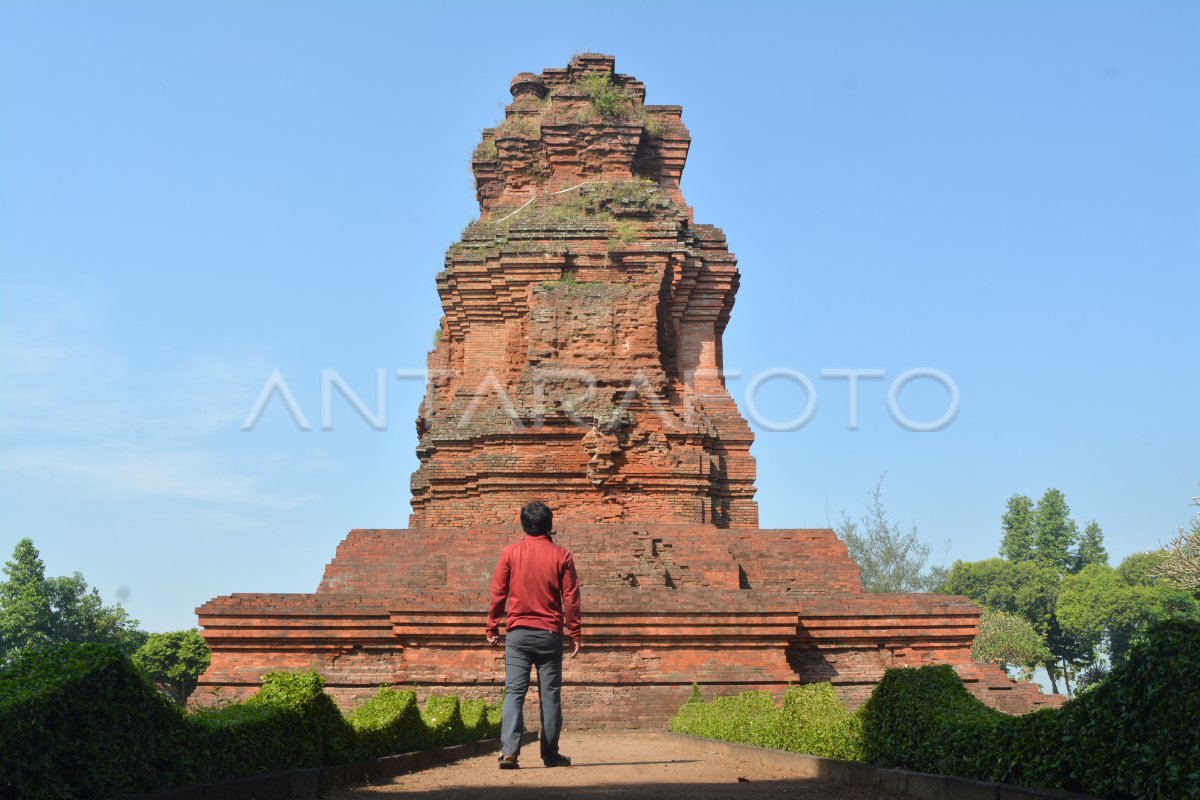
525	648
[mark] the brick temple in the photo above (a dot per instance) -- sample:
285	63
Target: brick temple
579	362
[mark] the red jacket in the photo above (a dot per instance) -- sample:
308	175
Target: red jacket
537	578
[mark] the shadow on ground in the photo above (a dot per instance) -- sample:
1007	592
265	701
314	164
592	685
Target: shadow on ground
749	790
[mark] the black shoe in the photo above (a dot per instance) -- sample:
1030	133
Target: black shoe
509	762
556	760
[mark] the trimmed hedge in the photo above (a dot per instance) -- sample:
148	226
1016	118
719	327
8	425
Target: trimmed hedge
80	721
926	720
748	718
812	720
443	721
246	739
388	723
1138	732
474	713
290	723
1135	735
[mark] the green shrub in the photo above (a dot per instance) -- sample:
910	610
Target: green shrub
814	721
1137	733
475	720
443	721
926	720
321	720
493	717
79	720
248	738
1134	735
749	718
388	723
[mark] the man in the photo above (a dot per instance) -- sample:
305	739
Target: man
537	580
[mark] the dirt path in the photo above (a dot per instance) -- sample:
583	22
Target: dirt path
623	765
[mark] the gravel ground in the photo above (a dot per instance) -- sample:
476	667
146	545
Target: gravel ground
634	764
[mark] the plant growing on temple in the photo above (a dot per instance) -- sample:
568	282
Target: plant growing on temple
36	611
485	151
613	103
652	126
889	559
174	660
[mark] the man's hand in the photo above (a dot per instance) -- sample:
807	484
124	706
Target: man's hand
493	640
574	647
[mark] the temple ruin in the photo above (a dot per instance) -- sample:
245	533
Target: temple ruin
579	361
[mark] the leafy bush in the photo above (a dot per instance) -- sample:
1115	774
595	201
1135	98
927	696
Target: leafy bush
926	720
476	723
248	738
78	720
1010	640
814	721
493	717
1134	735
388	723
443	721
83	721
749	718
322	721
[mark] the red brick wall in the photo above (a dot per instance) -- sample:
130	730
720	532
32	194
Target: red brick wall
664	605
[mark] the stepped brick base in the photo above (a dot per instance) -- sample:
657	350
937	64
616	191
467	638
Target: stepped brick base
664	606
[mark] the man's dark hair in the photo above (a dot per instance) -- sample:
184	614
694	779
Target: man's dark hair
537	518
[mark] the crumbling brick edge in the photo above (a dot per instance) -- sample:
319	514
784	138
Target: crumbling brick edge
306	784
916	785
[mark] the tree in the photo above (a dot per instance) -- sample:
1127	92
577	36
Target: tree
1029	590
889	560
1017	524
174	659
1054	532
1010	641
1091	548
1142	569
36	611
1111	608
25	614
1023	588
1181	567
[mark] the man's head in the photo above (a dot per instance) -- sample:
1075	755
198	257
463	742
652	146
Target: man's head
537	519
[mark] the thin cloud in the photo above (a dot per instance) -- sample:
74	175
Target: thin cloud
112	472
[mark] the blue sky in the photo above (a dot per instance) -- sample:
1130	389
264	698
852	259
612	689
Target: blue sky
195	194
